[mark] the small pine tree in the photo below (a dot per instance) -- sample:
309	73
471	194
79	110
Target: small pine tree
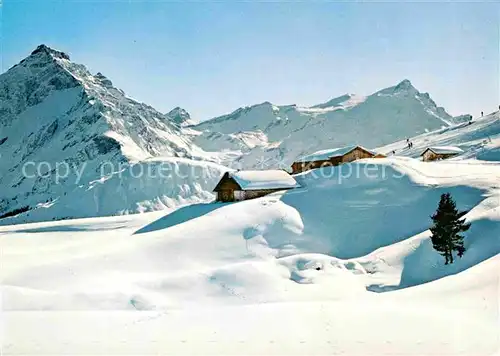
448	225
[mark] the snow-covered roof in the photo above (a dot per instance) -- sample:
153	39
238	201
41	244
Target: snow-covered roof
268	179
444	150
333	152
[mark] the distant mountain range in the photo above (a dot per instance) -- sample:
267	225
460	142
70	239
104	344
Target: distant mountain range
56	112
282	133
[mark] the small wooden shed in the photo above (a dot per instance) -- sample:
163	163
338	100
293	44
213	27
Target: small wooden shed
333	157
440	152
243	185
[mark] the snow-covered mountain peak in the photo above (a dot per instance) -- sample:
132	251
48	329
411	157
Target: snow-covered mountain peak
180	116
178	111
31	81
56	112
405	84
288	132
403	88
46	50
141	130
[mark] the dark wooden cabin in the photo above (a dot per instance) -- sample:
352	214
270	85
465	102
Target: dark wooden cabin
243	185
440	152
333	157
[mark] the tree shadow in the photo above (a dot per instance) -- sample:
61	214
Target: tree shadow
180	216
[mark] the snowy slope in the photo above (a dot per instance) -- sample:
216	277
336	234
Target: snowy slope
262	249
57	119
480	139
300	272
283	133
341	265
181	117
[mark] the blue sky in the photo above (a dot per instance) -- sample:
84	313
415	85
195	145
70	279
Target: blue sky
212	57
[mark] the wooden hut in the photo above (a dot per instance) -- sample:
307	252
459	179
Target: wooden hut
333	157
440	152
243	185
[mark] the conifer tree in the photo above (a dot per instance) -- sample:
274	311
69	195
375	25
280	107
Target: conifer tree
448	224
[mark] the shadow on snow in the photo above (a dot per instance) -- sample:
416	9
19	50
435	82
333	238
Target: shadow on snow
180	216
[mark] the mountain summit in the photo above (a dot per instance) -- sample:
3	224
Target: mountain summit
405	84
73	90
52	52
180	116
54	113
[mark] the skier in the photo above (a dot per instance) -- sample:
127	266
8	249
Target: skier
481	113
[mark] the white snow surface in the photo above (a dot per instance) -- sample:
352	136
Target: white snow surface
266	179
479	139
343	265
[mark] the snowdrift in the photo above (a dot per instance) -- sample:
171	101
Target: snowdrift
365	231
154	184
317	258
